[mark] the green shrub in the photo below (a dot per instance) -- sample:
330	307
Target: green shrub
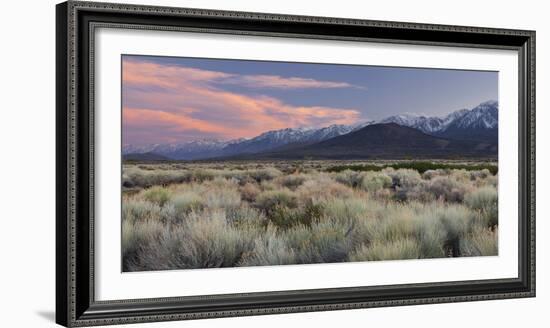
157	195
484	200
349	178
346	210
285	218
145	178
201	175
135	237
268	200
134	210
374	181
326	242
420	167
405	178
202	241
186	202
246	217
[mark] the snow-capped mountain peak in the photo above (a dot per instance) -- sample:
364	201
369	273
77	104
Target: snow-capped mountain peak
485	115
479	123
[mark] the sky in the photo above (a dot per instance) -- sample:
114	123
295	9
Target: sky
179	99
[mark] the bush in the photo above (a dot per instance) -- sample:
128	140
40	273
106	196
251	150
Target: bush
285	218
225	215
455	222
394	250
292	181
186	202
447	188
484	200
374	181
269	173
268	200
323	242
405	178
480	175
246	217
322	188
205	241
222	198
136	236
418	193
349	178
137	177
134	210
250	191
157	195
481	242
420	167
346	210
430	174
269	250
201	175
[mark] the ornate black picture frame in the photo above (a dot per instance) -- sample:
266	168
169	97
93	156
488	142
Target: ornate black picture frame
75	301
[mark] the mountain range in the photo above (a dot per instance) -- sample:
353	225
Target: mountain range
465	132
479	123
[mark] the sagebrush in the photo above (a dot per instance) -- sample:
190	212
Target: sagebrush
184	216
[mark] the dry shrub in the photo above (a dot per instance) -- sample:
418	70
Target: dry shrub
264	174
291	181
480	175
430	174
480	242
322	188
447	188
250	191
393	250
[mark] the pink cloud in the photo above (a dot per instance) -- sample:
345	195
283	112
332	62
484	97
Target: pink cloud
181	101
279	82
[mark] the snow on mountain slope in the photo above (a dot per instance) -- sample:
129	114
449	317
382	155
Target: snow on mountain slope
483	116
479	123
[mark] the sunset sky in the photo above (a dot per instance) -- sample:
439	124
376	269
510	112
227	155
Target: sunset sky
172	100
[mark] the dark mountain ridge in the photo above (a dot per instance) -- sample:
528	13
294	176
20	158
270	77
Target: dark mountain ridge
381	141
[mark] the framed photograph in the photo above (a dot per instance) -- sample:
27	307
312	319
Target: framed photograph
214	163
